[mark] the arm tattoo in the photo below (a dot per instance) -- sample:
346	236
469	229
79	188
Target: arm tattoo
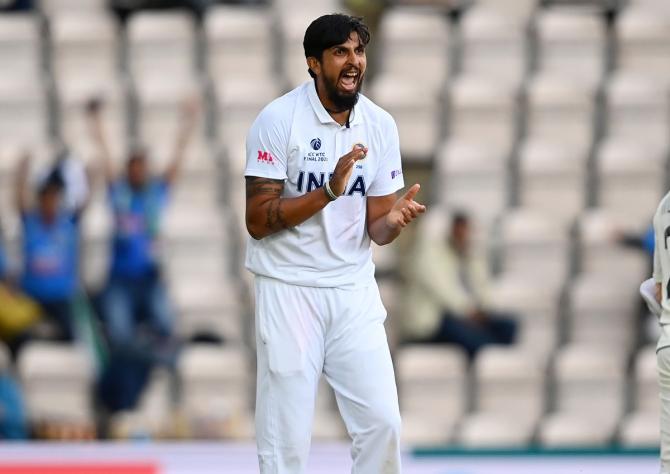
275	216
258	186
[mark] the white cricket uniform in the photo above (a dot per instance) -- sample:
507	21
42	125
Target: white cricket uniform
318	308
662	276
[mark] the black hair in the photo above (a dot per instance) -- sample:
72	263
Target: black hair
330	30
53	182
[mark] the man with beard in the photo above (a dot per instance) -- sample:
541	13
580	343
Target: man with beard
323	167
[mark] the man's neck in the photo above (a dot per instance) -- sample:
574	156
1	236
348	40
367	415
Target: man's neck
340	116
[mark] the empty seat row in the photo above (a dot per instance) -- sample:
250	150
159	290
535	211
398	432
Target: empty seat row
515	401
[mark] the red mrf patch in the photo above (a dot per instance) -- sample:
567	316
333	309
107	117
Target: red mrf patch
265	157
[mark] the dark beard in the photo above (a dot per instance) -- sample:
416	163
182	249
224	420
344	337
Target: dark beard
341	101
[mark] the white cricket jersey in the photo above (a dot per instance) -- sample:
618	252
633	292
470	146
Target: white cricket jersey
295	139
662	255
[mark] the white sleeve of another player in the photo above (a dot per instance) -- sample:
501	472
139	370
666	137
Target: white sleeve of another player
658	234
389	172
267	145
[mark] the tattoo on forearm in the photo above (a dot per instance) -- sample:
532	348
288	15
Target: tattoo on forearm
257	186
275	218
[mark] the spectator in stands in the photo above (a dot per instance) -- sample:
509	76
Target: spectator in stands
13	423
135	291
449	296
50	248
18	313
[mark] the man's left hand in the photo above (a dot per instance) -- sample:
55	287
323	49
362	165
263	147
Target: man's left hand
405	210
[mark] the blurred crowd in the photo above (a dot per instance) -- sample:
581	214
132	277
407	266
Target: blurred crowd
129	325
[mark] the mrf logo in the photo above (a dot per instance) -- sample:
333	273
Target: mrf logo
265	157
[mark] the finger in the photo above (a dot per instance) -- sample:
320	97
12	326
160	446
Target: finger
355	154
414	212
409	195
419	207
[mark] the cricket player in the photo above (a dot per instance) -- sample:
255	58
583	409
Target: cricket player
323	167
661	278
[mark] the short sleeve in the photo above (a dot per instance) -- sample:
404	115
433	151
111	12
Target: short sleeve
389	172
267	146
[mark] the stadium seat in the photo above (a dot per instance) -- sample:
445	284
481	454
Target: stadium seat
484	110
630	177
472	176
207	306
85	48
238	104
552	178
432	386
561	110
159	117
535	305
495	431
20	48
239	43
316	8
509	399
412	40
417	116
571	43
644	42
291	34
637	108
521	9
215	390
652	5
575	430
57	381
52	8
602	311
533	243
161	49
23	116
589	397
494	44
641	426
599	251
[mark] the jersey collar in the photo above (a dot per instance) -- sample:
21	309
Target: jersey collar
322	113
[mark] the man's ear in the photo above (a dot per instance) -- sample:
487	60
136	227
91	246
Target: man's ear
314	64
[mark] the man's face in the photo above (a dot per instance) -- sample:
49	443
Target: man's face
461	235
340	72
49	202
137	172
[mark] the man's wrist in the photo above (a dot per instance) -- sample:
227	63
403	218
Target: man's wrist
329	192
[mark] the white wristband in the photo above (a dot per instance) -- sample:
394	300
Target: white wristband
329	192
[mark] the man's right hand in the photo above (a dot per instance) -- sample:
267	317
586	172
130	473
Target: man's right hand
344	168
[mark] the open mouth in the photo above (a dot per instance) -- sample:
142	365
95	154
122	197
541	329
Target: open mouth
349	80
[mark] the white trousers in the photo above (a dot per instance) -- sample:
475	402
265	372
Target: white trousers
663	361
302	332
